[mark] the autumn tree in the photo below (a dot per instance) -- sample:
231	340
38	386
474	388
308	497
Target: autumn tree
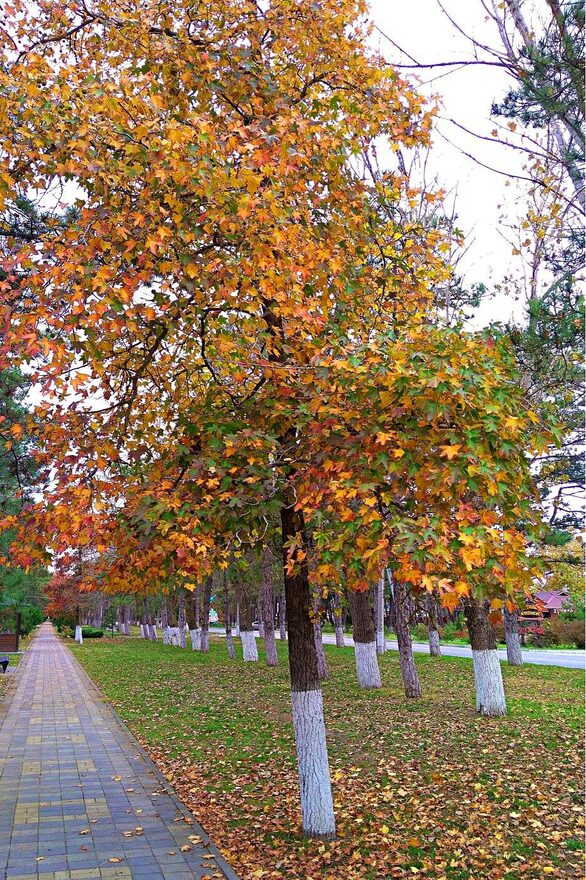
216	213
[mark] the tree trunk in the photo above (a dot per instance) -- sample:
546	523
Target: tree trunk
432	630
434	642
194	627
205	623
165	628
322	666
227	622
403	630
338	620
317	808
144	630
282	617
363	631
78	625
381	644
490	692
512	638
268	609
247	636
181	618
150	627
126	620
237	621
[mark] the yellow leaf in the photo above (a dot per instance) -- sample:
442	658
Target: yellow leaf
451	451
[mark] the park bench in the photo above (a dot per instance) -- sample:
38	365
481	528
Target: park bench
8	643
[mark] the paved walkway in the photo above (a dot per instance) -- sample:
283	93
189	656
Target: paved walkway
79	799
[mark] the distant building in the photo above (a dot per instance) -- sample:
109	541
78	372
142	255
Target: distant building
554	601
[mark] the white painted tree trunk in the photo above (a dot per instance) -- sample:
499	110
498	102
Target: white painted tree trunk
367	665
174	637
317	808
152	632
490	692
166	635
434	642
249	649
143	631
195	639
237	621
78	635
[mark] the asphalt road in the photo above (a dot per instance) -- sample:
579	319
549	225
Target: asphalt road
571	659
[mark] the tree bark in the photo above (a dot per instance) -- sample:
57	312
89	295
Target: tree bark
282	617
317	808
512	638
339	629
322	666
165	628
434	641
194	626
432	630
381	644
227	622
488	678
205	623
268	609
403	630
247	635
364	634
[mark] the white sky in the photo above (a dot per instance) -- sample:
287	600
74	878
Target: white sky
421	29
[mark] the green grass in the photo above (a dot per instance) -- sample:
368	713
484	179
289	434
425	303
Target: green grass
430	771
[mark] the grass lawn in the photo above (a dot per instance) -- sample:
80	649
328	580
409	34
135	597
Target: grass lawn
422	788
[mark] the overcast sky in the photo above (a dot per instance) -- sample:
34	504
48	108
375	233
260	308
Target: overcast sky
483	197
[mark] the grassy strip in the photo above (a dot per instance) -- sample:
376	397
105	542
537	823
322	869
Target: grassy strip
422	788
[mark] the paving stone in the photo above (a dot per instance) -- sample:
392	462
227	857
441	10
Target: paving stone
61	747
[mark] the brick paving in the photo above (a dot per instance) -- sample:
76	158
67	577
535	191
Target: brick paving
79	799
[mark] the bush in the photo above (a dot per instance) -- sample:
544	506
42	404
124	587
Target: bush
568	632
65	619
454	629
91	632
66	631
420	633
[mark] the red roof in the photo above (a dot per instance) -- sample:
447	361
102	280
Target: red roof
553	600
